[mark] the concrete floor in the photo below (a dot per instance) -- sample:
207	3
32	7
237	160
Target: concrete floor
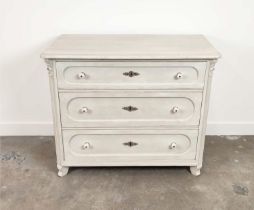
29	180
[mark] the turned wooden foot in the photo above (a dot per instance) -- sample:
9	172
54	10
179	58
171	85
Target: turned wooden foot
195	170
62	170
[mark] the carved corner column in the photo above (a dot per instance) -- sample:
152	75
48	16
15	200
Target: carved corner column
56	113
196	169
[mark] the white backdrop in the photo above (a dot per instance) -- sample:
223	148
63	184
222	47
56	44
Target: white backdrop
29	26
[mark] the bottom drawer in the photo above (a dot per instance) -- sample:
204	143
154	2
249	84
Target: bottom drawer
125	147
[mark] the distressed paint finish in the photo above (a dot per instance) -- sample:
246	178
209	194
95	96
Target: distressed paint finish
142	89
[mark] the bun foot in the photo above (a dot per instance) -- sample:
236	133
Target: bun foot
62	170
195	170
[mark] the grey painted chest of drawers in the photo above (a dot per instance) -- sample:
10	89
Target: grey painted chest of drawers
130	100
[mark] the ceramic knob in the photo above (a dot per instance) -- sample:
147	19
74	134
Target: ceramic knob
175	109
179	75
84	110
82	75
172	145
86	145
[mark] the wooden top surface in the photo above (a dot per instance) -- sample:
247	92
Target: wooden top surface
131	47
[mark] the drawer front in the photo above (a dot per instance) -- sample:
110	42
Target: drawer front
81	144
109	110
130	75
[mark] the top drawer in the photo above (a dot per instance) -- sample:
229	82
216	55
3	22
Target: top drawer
130	75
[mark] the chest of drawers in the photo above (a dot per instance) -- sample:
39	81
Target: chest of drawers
130	100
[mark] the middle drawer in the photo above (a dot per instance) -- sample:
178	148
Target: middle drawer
128	109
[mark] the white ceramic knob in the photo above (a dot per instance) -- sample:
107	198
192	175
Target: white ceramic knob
86	145
172	145
179	75
82	75
84	110
175	109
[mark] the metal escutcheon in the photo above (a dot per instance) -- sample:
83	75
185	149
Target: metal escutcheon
130	108
131	74
130	144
